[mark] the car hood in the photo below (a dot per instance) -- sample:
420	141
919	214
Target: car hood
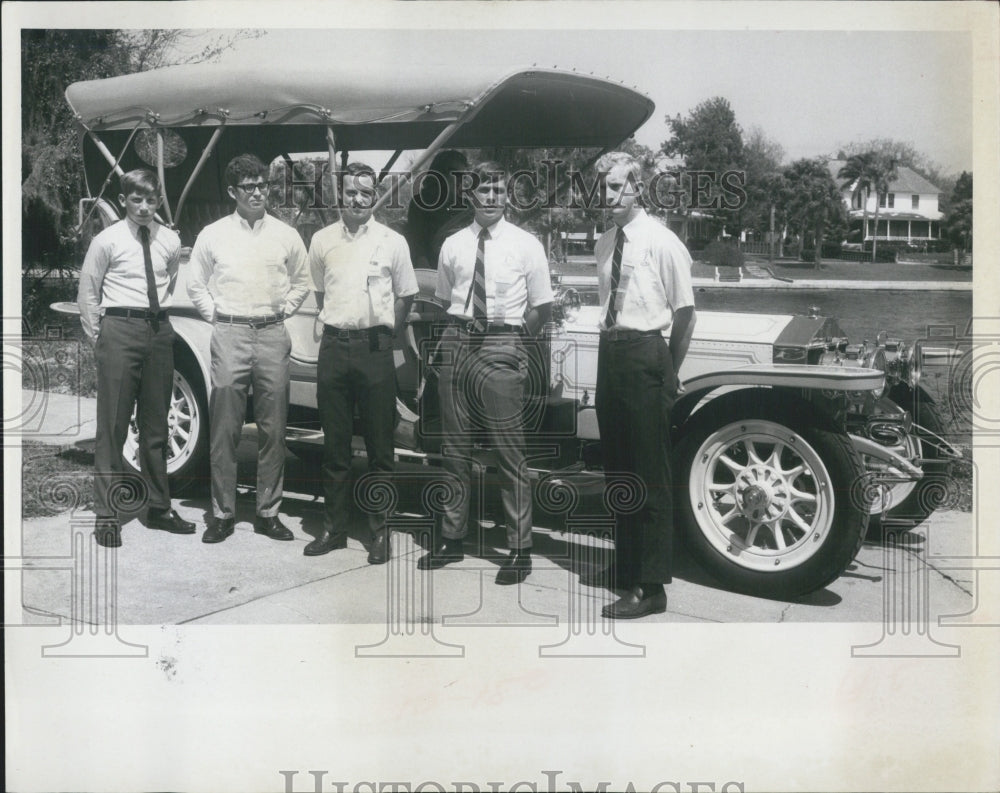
716	326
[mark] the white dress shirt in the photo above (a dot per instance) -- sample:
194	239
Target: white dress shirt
517	272
360	274
114	271
655	277
249	272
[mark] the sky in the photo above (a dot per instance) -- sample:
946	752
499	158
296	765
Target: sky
811	91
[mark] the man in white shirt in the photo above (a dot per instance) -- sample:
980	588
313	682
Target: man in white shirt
644	281
248	272
365	284
130	271
493	279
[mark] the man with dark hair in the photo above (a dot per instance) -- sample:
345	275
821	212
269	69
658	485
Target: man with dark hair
644	282
364	287
493	279
248	273
130	271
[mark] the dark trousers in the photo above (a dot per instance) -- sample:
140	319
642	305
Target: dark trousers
354	372
636	388
135	360
482	388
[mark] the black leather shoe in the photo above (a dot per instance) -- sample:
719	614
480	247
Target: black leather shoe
636	604
108	533
272	527
515	568
168	520
381	548
219	530
445	552
326	542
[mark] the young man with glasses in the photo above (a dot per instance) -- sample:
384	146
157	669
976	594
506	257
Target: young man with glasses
248	273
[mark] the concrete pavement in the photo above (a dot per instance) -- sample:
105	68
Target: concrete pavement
158	578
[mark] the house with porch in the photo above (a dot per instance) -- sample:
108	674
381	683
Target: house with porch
907	212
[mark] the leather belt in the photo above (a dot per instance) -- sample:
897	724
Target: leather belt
468	326
253	322
355	333
134	313
627	334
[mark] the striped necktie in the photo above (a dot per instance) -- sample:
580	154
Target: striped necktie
616	274
479	285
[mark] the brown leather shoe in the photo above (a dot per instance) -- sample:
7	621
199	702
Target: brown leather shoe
168	520
272	527
445	552
636	604
219	530
381	548
515	568
326	542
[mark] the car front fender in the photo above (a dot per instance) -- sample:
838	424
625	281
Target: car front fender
832	378
194	333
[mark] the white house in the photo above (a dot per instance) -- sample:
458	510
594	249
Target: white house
907	212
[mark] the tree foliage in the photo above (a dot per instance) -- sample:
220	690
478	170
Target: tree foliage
811	200
904	154
958	220
51	170
710	140
764	183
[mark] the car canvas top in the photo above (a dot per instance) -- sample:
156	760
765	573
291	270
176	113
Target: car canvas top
373	109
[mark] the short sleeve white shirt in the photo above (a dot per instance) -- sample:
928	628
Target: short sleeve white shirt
360	274
516	268
655	276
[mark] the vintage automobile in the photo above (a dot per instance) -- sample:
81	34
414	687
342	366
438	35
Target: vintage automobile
787	437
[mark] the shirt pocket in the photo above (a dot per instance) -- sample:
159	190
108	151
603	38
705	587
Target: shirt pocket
379	286
501	286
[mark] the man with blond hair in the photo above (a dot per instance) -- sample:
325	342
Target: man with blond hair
644	281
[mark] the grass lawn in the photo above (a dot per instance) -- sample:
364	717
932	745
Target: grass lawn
55	479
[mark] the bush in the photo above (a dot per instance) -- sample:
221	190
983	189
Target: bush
831	250
723	254
697	243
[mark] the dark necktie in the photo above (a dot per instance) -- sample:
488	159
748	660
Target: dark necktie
616	274
479	285
147	258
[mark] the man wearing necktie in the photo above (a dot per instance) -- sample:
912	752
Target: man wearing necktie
493	279
130	272
644	280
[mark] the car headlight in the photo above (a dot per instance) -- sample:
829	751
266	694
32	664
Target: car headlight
567	305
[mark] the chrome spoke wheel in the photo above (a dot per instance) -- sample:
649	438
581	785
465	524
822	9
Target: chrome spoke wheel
185	428
761	495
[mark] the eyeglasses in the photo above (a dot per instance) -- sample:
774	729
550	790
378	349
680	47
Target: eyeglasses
251	187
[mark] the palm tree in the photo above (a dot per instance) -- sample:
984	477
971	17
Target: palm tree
883	173
858	173
869	171
810	196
